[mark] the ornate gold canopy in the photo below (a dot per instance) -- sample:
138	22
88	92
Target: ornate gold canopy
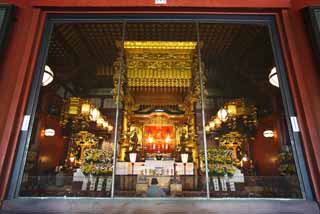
159	72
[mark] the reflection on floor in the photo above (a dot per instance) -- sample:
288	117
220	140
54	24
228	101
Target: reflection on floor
122	206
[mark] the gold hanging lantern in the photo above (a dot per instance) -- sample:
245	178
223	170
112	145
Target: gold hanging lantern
232	109
207	128
73	106
217	122
211	125
85	108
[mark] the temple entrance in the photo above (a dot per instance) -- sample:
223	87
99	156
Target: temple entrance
160	109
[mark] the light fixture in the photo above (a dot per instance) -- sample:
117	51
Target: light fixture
207	128
85	108
105	125
217	121
72	158
211	125
245	158
94	114
47	76
150	139
268	133
133	158
232	109
222	115
168	139
273	77
100	121
184	158
73	105
49	132
110	128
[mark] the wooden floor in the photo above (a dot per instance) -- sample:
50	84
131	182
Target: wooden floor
167	206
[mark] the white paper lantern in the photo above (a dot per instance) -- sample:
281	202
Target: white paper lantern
47	76
223	114
273	77
49	132
268	133
94	114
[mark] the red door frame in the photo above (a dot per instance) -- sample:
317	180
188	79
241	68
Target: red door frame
276	8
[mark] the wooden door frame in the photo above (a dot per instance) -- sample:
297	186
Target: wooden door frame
27	70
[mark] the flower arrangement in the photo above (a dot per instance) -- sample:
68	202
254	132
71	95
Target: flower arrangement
220	161
286	166
97	156
97	162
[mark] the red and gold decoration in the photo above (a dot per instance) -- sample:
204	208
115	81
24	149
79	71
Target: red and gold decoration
169	71
159	138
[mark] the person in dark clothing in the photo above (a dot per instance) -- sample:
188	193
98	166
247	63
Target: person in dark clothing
154	190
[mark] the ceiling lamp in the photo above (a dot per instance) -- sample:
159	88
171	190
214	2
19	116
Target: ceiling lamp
268	133
273	77
223	115
47	76
49	132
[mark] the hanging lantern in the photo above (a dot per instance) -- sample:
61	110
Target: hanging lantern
222	115
85	108
105	124
232	109
211	125
207	128
217	122
273	77
94	114
100	121
49	132
268	133
110	128
47	76
74	105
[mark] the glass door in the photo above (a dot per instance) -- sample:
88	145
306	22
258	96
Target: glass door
160	109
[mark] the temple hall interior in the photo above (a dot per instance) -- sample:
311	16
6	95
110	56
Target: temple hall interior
190	106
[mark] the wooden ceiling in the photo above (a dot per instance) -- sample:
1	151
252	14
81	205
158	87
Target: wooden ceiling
85	53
